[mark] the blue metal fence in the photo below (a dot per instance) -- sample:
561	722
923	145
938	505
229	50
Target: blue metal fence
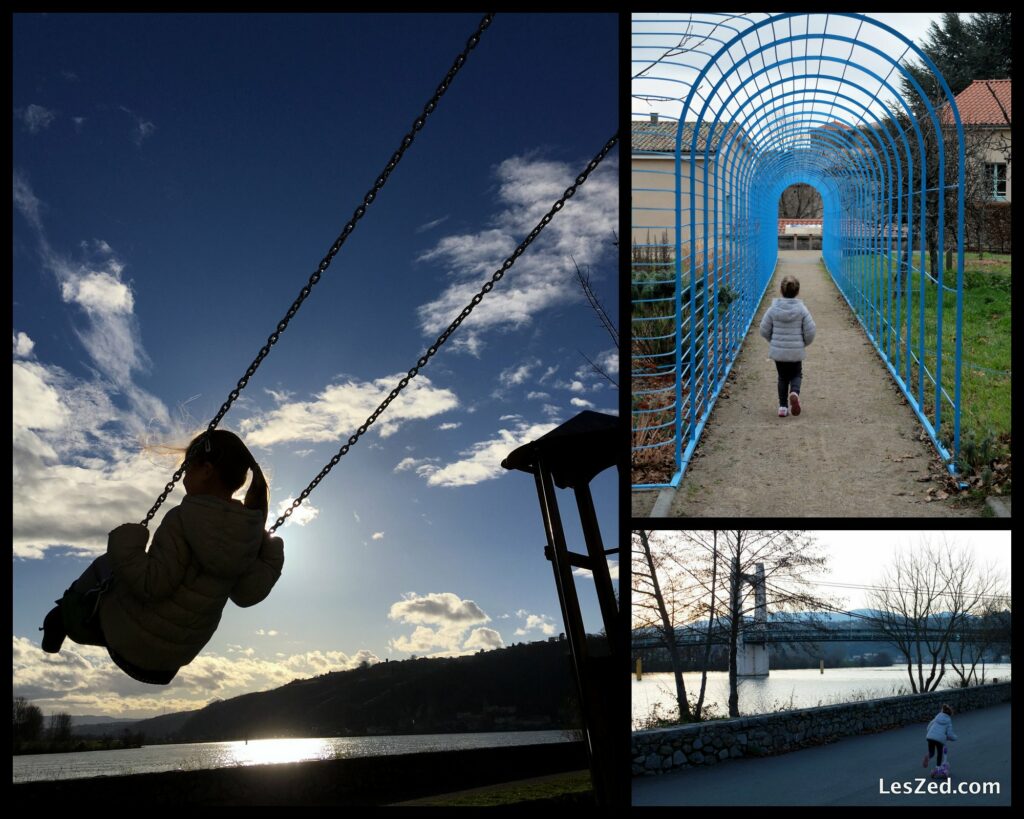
731	110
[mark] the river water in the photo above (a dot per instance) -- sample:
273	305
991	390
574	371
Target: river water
784	689
198	755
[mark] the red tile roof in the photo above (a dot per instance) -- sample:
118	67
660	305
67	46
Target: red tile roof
985	102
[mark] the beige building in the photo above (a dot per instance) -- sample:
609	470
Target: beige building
985	113
653	186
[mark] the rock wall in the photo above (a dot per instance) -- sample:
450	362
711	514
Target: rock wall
708	743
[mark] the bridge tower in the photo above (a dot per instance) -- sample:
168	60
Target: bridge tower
752	652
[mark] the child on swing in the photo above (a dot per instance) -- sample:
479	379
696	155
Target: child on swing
155	610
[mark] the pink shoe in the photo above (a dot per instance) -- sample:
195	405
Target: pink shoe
783	412
794	403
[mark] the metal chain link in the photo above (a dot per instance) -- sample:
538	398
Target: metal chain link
441	339
368	199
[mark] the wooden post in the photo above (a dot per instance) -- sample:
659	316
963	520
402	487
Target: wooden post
639	669
822	666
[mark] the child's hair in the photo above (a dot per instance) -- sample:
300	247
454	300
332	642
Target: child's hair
790	287
231	459
946	709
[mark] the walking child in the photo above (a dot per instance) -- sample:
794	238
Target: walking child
789	328
155	610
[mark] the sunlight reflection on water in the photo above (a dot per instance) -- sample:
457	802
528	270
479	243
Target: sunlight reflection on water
202	755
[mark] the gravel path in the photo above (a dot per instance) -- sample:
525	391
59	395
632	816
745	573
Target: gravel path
855	450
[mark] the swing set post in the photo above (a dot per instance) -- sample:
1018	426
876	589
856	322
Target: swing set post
570	456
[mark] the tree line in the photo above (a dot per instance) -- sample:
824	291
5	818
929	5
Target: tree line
35	734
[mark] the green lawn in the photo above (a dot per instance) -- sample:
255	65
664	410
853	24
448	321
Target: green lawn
985	378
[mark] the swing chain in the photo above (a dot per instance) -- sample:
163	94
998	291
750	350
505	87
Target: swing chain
441	339
360	211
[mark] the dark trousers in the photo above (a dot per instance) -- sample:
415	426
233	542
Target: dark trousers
935	747
80	610
790	376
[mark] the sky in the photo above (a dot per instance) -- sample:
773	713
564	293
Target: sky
655	32
176	179
859	558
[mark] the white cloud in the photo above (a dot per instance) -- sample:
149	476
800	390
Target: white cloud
515	375
552	411
355	514
377	536
582	403
75	449
441	622
430	225
83	680
27	203
37	118
483	638
577	386
279	396
482	461
550	371
303	515
79	122
537	396
613	570
267	632
437	608
142	128
336	411
450	425
23	345
543	276
422	466
534	623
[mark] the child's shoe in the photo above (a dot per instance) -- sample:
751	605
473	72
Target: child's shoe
53	631
783	412
794	403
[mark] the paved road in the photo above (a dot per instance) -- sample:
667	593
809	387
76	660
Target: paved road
856	450
847	772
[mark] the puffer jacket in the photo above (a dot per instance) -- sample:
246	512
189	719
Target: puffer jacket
164	605
941	728
789	328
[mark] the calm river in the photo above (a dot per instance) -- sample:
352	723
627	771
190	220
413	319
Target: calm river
797	688
155	758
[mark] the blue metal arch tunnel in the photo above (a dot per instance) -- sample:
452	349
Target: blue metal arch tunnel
812	98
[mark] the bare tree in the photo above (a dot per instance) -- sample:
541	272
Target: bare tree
651	609
925	602
60	727
720	569
789	557
800	201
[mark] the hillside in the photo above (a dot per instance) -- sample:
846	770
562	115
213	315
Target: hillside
522	687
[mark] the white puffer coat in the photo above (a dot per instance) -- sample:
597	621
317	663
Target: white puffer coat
789	328
165	604
941	728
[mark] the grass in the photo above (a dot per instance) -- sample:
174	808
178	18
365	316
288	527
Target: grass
574	787
985	379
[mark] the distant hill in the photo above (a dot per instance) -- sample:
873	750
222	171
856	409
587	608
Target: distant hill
522	687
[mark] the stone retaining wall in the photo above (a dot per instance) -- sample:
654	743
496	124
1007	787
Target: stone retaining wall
707	743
